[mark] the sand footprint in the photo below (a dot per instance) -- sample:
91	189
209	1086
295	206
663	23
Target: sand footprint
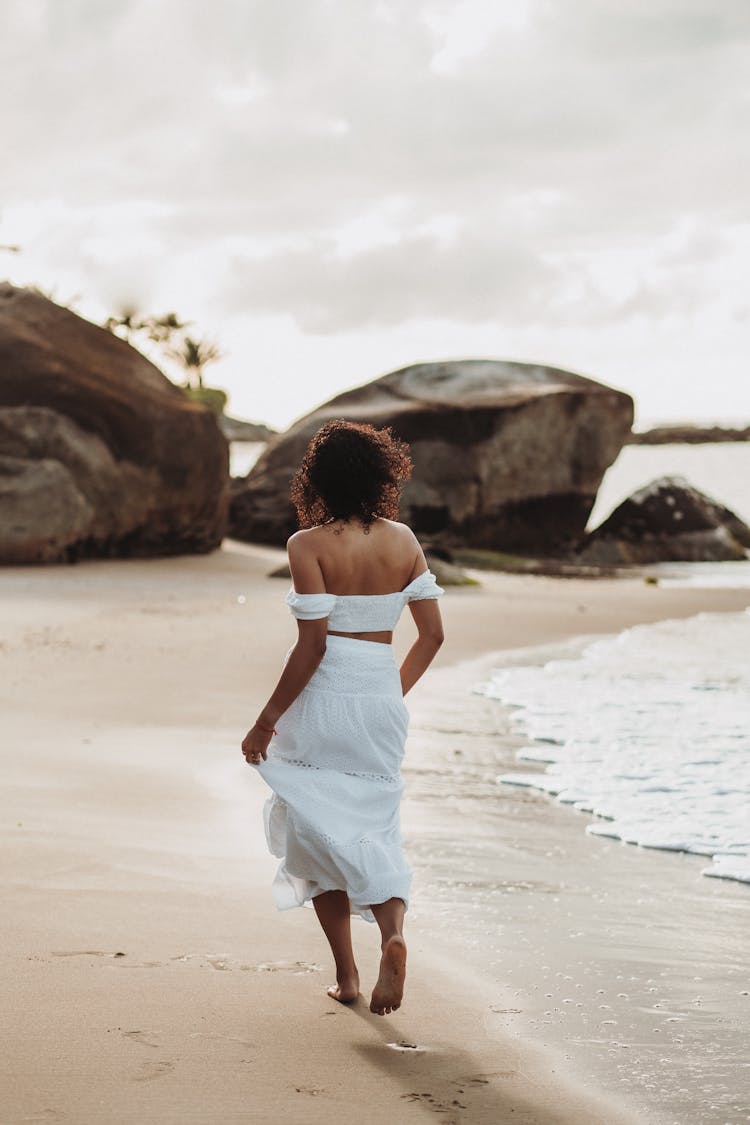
218	1035
297	968
225	964
437	1105
139	1036
85	953
219	963
156	1069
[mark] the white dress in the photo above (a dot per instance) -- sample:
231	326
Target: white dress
335	764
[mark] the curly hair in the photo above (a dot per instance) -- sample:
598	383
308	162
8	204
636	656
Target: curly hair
350	470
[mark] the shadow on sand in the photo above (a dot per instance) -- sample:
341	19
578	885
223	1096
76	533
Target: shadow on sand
450	1081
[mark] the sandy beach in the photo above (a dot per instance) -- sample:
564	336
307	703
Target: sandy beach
147	976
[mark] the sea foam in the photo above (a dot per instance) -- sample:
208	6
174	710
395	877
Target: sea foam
650	732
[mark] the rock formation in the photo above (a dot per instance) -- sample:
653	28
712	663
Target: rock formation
667	521
506	455
687	433
100	455
237	429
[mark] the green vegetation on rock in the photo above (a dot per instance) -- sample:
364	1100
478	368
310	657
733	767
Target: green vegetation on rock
213	397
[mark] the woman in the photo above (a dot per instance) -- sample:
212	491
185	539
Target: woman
337	711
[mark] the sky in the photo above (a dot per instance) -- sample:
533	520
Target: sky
331	189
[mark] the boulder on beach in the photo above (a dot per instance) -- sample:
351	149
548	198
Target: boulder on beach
687	433
506	455
100	454
238	429
667	521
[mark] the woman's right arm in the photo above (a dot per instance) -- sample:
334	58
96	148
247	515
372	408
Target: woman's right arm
303	660
304	657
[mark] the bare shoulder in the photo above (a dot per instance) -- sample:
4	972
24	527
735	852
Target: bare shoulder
409	546
303	562
402	530
302	543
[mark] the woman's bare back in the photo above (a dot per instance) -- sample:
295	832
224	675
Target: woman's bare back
352	560
349	560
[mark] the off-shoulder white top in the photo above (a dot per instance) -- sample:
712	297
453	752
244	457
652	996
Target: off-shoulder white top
363	613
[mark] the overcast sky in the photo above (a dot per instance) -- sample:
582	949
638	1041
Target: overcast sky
331	189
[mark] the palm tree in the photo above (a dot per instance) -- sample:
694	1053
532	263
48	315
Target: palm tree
168	333
194	355
125	320
158	328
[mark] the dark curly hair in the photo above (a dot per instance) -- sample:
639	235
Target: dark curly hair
350	470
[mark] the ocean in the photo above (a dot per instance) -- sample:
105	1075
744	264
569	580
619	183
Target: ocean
649	731
243	455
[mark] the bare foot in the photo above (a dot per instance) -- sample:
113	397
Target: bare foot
346	990
387	993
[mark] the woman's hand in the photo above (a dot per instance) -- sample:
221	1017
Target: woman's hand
255	744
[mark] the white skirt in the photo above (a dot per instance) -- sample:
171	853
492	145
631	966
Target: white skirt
335	771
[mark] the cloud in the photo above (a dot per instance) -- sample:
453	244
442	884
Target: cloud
472	277
648	28
367	166
347	106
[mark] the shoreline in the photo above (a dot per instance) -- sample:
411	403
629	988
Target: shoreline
127	687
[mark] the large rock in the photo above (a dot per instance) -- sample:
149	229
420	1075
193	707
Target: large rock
667	521
237	429
100	454
506	455
686	433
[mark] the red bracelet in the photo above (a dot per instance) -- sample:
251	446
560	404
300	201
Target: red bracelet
268	730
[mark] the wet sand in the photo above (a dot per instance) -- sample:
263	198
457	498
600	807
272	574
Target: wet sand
147	976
